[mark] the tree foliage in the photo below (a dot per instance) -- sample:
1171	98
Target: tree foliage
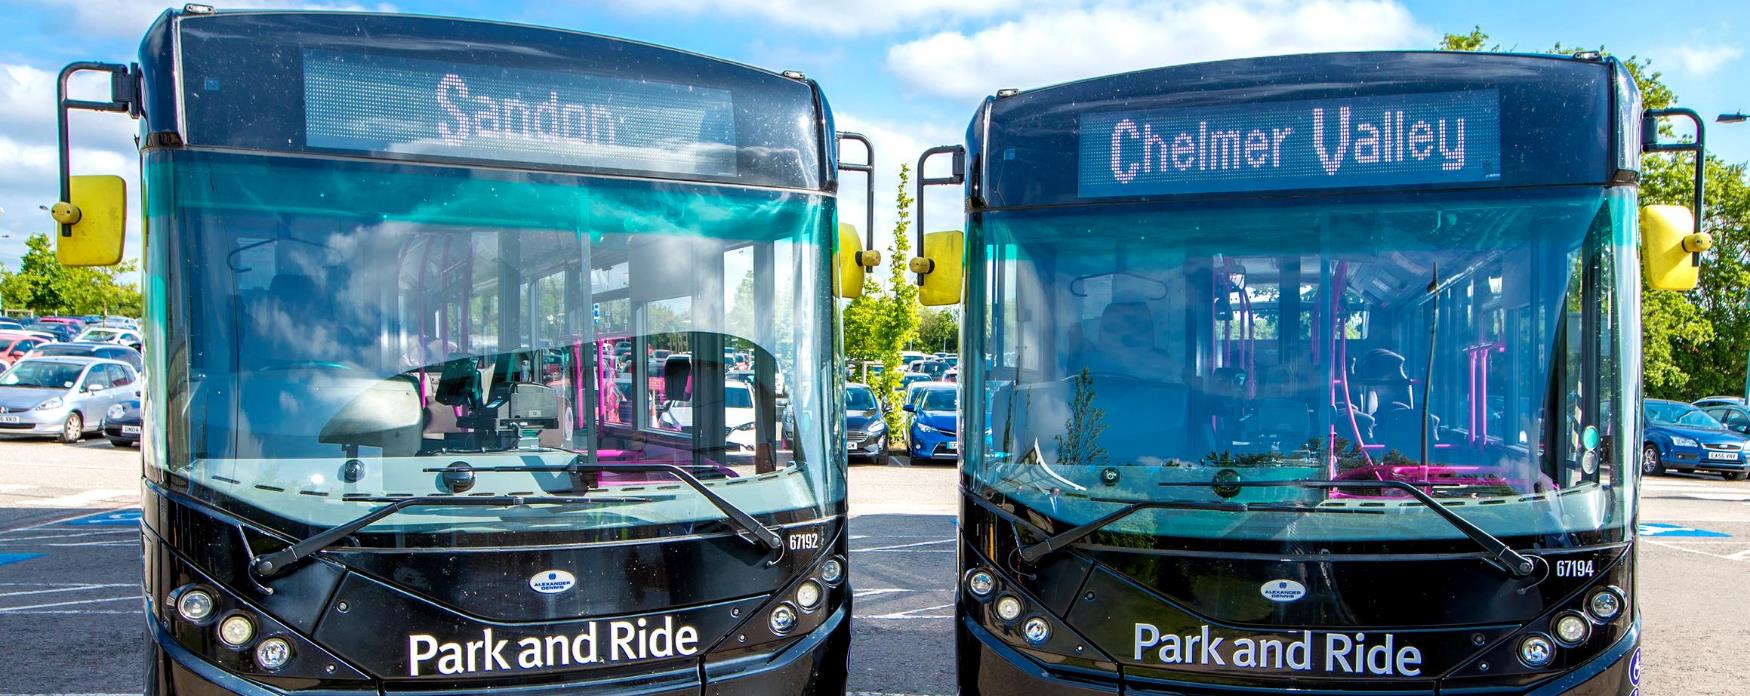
881	323
42	285
1694	343
938	330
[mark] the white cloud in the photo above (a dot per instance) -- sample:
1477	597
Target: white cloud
841	17
1702	60
132	17
1110	36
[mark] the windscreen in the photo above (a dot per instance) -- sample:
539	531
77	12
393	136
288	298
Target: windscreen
341	332
1464	343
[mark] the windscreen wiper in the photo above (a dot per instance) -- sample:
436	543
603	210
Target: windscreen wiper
266	565
1034	552
1496	552
577	468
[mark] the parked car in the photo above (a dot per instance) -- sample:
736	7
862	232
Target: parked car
120	322
121	423
103	334
1708	401
61	331
10	325
14	345
64	397
935	423
1682	437
865	423
109	351
1736	417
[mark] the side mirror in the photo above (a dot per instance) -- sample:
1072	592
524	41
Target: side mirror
942	264
910	408
93	223
1671	248
850	261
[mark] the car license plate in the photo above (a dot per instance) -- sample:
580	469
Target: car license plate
953	446
130	430
1726	456
10	419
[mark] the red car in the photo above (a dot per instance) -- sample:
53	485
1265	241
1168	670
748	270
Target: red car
14	345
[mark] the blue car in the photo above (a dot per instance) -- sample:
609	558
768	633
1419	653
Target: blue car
935	423
121	424
1683	438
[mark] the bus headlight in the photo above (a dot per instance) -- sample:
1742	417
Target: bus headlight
783	618
1572	629
236	630
1036	630
1604	604
980	583
273	654
832	572
1536	651
194	606
808	595
1008	607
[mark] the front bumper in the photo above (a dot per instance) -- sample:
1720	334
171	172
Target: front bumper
1677	457
34	422
815	664
989	666
113	431
924	444
870	445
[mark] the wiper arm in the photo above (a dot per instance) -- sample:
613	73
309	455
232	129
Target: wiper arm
737	516
269	564
1496	552
1033	552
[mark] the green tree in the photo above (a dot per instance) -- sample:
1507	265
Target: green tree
881	323
43	286
1079	445
1695	342
938	330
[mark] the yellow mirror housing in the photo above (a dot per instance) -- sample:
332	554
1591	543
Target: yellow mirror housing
94	223
1670	247
943	265
848	263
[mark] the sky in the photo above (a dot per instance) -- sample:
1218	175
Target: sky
907	73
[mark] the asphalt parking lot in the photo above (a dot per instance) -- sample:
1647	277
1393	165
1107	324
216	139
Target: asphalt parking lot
70	568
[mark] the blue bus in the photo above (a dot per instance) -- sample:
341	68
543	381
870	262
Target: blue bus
1315	373
400	433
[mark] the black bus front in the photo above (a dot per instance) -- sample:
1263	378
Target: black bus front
1314	373
485	357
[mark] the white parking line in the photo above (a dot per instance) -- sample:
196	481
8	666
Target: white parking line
79	500
11	536
70	588
12	610
912	613
905	546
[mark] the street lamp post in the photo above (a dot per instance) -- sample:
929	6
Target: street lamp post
1740	117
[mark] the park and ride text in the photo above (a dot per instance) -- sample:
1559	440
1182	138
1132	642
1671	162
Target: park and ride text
595	643
1334	654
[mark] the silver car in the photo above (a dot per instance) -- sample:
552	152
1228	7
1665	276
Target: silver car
62	396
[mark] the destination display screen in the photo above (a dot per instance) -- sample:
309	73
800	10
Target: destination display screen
385	104
1409	139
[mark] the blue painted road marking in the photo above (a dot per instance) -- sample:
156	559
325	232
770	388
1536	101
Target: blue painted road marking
6	558
1666	530
114	518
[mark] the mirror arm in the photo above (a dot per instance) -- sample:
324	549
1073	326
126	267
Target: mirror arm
867	167
1650	143
124	98
956	177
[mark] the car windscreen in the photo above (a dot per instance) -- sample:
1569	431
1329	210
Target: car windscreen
1680	414
859	399
42	374
941	400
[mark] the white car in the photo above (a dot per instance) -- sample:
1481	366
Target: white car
108	334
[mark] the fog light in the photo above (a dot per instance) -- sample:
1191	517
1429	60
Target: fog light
808	595
1008	607
195	606
783	618
1536	651
832	571
1604	605
236	630
1036	630
1572	629
273	654
980	583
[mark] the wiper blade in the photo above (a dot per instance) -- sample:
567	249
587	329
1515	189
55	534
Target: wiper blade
1496	552
737	516
269	564
1033	552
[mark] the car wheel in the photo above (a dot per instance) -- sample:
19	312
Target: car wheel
1650	462
911	460
1736	475
74	429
